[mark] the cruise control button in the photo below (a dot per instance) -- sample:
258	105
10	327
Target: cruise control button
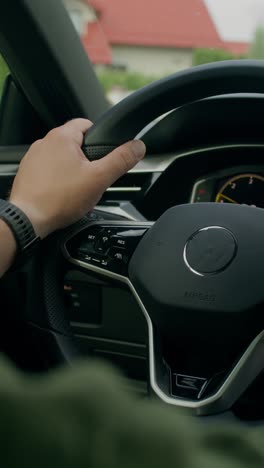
119	241
97	261
118	260
91	237
102	243
89	241
127	239
118	254
84	249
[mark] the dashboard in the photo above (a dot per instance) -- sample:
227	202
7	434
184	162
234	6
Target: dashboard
221	173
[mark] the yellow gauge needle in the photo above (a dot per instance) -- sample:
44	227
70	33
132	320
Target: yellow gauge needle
220	195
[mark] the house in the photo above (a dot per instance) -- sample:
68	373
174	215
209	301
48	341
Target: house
153	37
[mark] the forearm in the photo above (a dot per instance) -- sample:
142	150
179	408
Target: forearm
7	248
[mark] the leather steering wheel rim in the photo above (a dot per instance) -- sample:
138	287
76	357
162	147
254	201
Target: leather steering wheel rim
124	121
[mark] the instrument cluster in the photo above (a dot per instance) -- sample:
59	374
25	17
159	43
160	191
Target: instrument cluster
244	186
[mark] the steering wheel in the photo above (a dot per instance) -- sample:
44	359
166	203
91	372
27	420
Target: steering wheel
197	273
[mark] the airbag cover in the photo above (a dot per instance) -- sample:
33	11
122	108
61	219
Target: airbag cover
227	294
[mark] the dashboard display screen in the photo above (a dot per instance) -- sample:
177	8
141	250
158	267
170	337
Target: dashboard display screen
247	189
239	188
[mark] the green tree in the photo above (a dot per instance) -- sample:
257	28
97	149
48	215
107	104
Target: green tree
201	56
3	73
257	47
127	80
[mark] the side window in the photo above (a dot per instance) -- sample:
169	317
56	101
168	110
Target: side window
3	74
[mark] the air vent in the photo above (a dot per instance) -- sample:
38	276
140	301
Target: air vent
130	187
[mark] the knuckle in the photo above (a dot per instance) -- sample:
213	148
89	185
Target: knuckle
55	132
58	135
36	144
52	132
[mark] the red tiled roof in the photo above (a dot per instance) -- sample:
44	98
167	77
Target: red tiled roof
237	48
170	23
96	44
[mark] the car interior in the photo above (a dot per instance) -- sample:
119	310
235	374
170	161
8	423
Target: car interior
164	278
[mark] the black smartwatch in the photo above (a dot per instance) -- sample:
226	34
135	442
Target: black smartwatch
22	230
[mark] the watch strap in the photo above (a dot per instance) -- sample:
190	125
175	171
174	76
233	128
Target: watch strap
20	226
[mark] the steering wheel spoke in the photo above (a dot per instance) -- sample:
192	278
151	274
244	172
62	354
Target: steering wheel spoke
105	247
204	395
189	275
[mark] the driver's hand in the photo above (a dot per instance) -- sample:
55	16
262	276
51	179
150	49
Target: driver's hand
56	185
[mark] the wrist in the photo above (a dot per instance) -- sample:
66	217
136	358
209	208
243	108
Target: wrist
40	225
19	234
8	247
7	234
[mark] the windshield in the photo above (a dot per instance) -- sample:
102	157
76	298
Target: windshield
132	43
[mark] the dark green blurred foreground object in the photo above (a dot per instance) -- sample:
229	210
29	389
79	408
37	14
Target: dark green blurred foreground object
81	417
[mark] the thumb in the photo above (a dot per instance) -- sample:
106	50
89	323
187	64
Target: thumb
120	161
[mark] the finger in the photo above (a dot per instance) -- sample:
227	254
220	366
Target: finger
78	124
120	161
76	129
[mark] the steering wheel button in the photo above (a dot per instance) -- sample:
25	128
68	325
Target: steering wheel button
128	239
118	254
118	241
84	249
96	261
102	243
121	242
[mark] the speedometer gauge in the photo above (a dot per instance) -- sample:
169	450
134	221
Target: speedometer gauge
247	189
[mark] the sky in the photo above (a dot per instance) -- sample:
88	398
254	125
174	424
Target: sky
236	20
